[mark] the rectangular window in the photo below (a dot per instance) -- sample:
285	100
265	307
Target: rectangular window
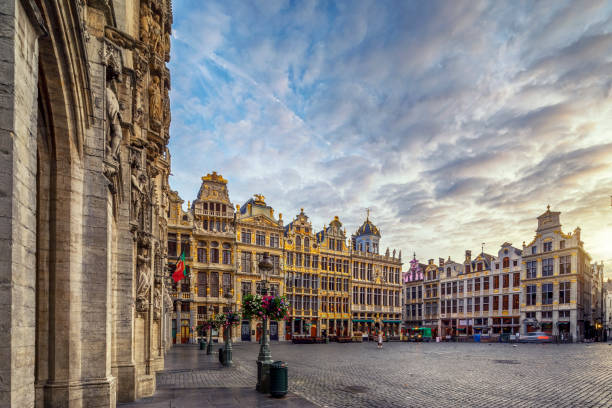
172	244
505	300
564	292
460	288
477	285
469	285
260	238
467	269
370	277
298	259
420	292
531	269
214	284
454	305
274	241
534	250
565	264
324	263
202	284
202	252
369	296
496	282
346	285
516	279
515	302
469	305
485	304
454	287
547	267
443	289
485	283
547	246
227	283
384	296
185	246
562	244
245	236
362	274
355	270
315	261
307	261
477	304
495	303
531	295
547	294
506	281
245	262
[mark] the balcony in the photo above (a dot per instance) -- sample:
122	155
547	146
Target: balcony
210	213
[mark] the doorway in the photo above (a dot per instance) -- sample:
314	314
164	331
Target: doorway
273	330
245	331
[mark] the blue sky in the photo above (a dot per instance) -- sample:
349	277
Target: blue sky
455	122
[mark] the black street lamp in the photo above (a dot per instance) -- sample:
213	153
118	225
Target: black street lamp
227	361
265	357
210	329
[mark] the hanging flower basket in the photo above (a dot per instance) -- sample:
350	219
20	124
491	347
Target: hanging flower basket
269	306
231	319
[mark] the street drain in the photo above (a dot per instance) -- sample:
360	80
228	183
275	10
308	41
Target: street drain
506	362
355	389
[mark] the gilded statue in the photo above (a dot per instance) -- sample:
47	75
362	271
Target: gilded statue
155	102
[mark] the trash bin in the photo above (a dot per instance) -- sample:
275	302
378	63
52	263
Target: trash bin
202	344
477	338
278	379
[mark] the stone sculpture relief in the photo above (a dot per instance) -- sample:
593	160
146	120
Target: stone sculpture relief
113	113
155	102
143	271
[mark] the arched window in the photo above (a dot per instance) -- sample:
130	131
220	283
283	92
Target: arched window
306	243
448	272
506	262
298	242
214	252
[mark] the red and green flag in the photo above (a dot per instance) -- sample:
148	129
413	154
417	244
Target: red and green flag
180	268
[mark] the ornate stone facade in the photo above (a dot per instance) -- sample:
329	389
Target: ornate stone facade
83	133
206	235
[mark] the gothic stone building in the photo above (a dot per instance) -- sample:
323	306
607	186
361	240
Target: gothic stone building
84	120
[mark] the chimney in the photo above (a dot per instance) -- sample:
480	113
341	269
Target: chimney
440	261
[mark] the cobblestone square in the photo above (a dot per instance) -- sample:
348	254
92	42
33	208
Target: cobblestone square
412	374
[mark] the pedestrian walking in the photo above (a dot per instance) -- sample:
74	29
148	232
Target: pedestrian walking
380	339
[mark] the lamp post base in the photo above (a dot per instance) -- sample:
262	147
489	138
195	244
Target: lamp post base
263	376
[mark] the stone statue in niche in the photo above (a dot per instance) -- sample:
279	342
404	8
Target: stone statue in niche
155	102
167	300
156	35
138	192
145	23
167	47
143	281
157	304
167	114
113	113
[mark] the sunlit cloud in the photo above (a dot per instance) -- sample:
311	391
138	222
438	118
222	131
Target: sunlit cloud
455	122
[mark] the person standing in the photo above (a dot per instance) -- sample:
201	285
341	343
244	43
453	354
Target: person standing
380	339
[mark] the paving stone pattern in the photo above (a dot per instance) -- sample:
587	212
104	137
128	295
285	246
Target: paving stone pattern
412	375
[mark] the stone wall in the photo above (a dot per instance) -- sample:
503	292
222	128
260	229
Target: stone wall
84	122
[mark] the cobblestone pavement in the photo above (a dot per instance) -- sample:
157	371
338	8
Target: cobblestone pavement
419	375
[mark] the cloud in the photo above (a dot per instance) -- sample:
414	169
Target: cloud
456	123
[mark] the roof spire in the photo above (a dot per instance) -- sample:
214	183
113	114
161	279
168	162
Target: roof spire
548	207
367	214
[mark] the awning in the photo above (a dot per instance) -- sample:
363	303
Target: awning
363	321
392	321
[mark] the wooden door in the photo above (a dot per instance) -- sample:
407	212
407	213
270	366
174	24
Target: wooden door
313	330
184	334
